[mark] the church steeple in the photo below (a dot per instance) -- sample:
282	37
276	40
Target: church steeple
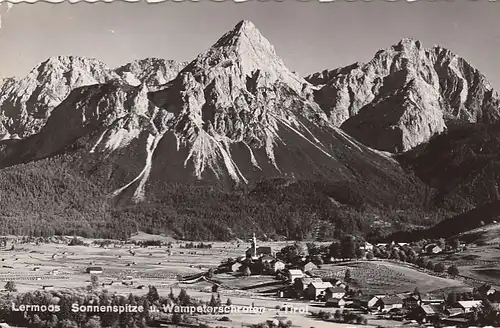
254	245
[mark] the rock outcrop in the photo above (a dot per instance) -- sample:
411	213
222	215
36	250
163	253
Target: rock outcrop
405	95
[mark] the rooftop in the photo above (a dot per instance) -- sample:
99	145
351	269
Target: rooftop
387	300
321	284
469	304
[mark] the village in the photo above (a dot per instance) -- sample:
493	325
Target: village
304	282
346	281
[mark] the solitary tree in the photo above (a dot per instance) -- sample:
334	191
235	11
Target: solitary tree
10	286
347	276
184	298
94	281
153	295
453	270
451	299
420	262
348	247
455	243
213	301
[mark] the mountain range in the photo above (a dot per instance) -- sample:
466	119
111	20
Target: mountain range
234	141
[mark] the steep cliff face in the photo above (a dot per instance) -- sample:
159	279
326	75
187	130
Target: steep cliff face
405	95
26	104
234	115
152	72
238	92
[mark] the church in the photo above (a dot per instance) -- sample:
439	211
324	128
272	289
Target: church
255	252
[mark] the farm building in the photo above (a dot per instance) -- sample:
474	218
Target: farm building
278	265
428	312
335	292
338	283
94	270
411	302
433	249
267	258
365	301
366	247
317	289
388	303
36	269
335	302
258	252
469	306
486	290
308	266
264	250
428	300
494	297
301	284
255	252
451	312
294	274
47	287
235	267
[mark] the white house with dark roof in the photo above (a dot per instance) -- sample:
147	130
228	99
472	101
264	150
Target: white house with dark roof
388	303
294	274
335	292
469	306
317	289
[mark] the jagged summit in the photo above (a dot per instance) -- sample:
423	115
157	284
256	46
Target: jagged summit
244	31
26	103
408	43
405	95
244	52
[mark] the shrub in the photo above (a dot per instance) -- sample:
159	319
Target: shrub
453	270
439	267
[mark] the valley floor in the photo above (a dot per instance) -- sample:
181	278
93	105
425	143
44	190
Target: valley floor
62	266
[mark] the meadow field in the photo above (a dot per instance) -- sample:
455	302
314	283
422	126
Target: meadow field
60	266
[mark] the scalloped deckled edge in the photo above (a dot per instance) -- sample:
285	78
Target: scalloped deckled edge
237	1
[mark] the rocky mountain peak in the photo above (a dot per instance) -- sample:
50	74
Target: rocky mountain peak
407	44
405	95
26	103
244	52
244	32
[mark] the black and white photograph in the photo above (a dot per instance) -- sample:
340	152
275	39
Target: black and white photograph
258	164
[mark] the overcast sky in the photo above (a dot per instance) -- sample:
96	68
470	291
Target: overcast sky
309	36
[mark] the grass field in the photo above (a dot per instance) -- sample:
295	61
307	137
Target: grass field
154	266
478	263
381	277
